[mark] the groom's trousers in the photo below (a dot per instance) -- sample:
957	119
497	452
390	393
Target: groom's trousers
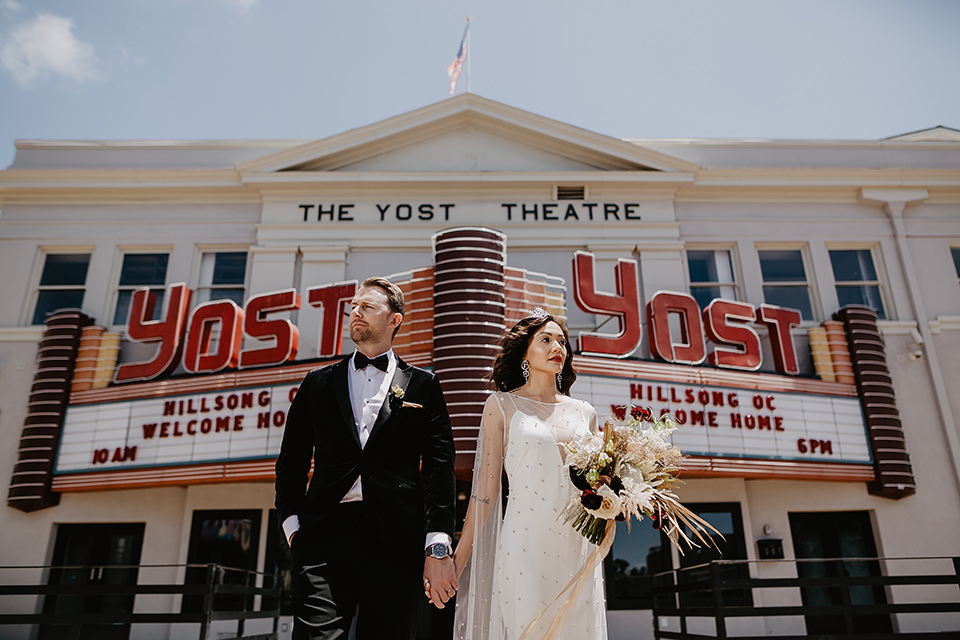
342	566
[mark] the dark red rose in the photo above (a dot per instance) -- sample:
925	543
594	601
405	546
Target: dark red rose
590	500
641	413
616	484
620	517
655	522
579	479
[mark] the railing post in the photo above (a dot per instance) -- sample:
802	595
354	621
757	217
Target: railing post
241	622
207	602
719	619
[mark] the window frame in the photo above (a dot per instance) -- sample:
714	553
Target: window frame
878	270
731	249
811	281
118	272
201	251
39	263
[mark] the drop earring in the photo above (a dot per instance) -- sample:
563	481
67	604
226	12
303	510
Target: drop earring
525	369
559	381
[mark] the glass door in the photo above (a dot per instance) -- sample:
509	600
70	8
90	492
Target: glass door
94	555
842	534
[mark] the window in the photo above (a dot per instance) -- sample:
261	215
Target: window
726	518
636	556
711	276
785	280
61	284
230	538
222	276
856	279
956	261
140	270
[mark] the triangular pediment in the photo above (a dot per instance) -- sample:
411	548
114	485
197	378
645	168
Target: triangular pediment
467	133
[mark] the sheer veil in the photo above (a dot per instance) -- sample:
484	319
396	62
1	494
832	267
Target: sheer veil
478	615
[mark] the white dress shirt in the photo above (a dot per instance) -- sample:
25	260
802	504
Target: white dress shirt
368	389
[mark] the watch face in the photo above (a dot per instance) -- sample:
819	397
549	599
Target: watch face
438	550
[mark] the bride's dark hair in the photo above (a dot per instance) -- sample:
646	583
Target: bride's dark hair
507	374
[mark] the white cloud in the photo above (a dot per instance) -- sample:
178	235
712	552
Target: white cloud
47	47
11	5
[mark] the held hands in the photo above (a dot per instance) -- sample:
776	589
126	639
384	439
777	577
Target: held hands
439	580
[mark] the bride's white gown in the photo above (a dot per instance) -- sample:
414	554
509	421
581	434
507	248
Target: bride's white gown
521	564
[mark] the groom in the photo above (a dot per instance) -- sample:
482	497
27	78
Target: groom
374	529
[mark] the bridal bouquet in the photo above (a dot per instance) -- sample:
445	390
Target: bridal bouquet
627	471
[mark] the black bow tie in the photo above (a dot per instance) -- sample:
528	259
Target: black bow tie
380	362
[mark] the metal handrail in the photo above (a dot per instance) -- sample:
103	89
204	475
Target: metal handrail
247	593
671	588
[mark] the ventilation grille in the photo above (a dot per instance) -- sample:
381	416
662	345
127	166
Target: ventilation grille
571	193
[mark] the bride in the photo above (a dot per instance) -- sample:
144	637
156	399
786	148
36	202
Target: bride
517	562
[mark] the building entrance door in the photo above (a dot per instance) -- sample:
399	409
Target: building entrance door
844	534
93	555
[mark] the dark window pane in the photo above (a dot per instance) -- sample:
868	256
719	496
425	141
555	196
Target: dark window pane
791	297
229	268
868	296
124	298
852	265
703	295
144	269
65	269
782	266
229	539
956	260
635	557
703	266
228	294
49	301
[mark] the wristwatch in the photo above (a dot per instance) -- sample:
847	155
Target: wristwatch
437	550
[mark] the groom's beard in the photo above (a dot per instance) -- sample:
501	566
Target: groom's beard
364	333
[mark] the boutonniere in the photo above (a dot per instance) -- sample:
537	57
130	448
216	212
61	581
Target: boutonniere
396	394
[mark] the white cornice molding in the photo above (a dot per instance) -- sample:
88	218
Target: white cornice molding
462	111
834	177
467	177
945	323
22	334
117	178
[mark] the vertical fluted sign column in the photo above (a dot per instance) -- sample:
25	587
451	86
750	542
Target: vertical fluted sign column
33	473
469	303
891	461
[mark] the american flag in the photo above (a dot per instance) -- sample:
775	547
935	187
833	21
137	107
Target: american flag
457	65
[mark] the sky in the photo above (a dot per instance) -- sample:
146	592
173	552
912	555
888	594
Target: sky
305	69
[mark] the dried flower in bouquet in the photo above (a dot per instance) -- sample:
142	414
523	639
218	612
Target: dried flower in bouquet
630	470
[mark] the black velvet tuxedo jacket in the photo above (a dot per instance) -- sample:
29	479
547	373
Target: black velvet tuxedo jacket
406	465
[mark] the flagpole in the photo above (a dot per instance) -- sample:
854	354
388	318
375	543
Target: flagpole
469	53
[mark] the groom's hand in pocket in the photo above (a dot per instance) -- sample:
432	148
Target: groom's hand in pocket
440	580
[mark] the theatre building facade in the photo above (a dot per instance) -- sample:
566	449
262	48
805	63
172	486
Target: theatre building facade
794	304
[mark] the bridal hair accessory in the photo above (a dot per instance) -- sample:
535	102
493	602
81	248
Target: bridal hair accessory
538	313
525	369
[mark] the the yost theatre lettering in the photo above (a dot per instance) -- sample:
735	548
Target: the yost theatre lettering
400	212
572	211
